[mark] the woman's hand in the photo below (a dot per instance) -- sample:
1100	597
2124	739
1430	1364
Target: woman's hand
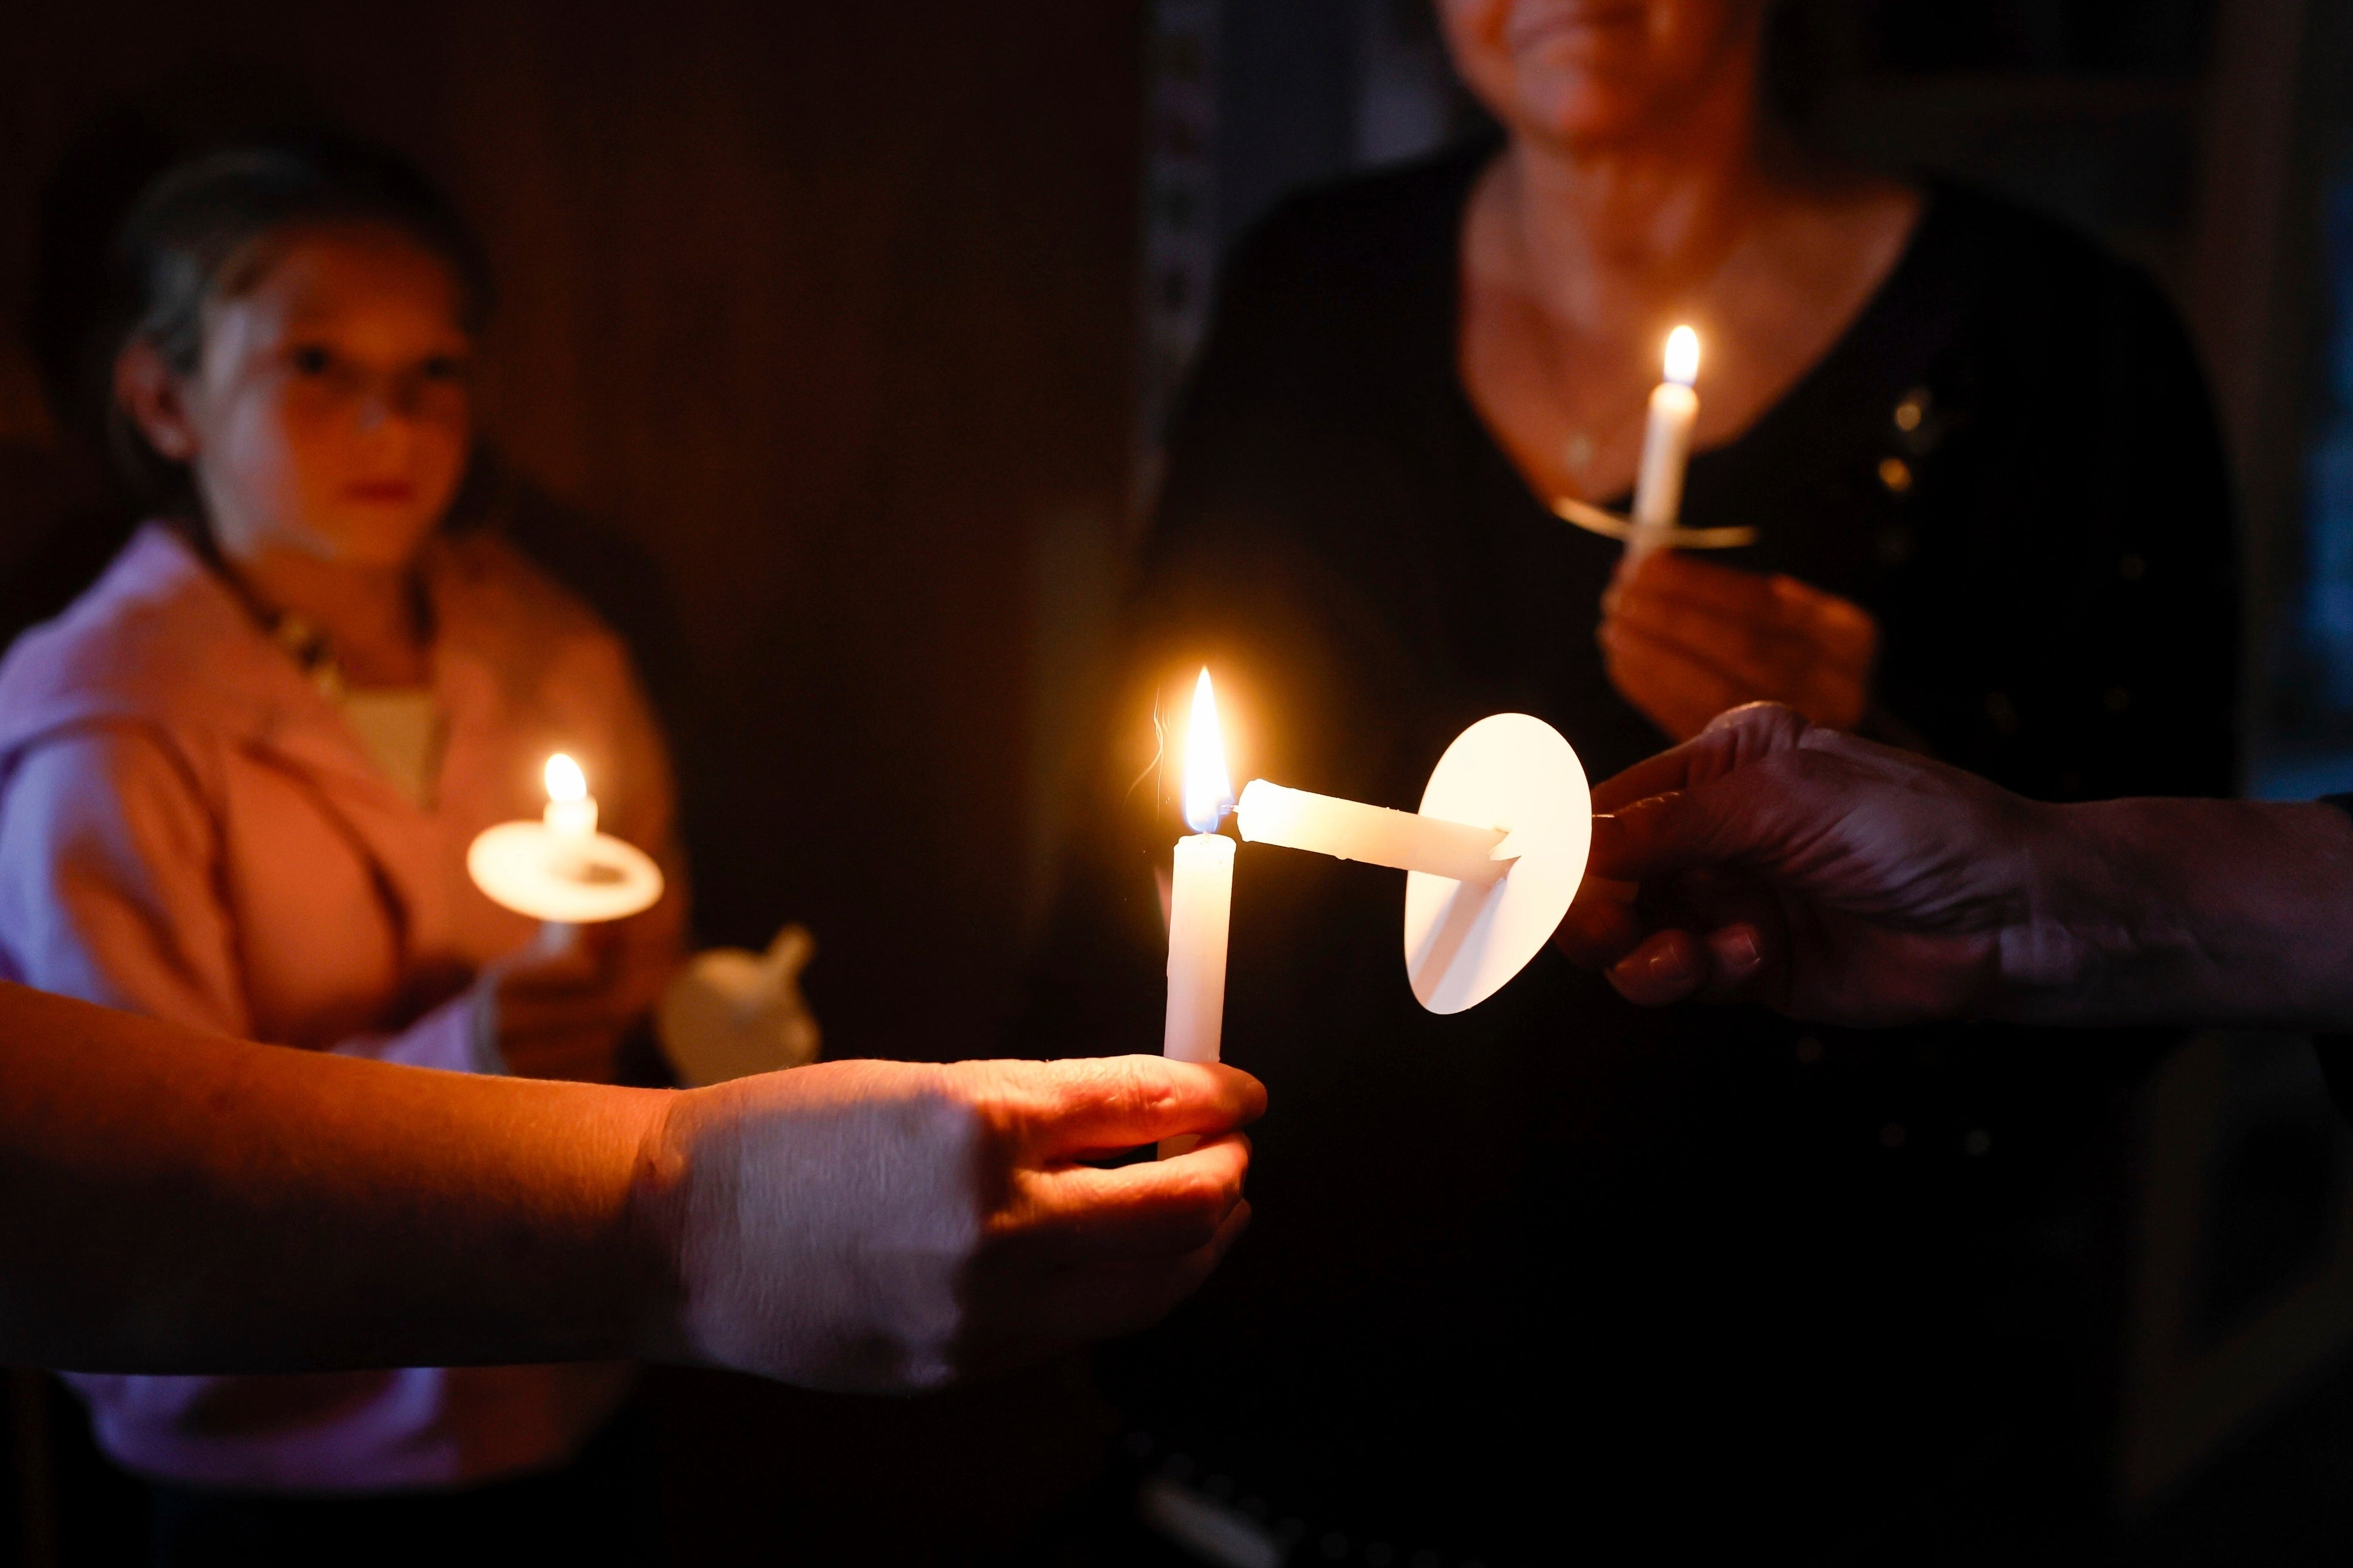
885	1227
1683	641
1771	860
562	1011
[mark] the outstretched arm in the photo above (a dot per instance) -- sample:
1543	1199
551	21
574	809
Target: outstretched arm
178	1202
1769	860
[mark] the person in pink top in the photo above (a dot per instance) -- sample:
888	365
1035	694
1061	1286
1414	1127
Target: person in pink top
238	777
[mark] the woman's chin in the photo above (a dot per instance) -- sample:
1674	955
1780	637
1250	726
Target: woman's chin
375	536
1583	112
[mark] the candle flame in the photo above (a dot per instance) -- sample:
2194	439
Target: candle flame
1682	356
1208	792
566	782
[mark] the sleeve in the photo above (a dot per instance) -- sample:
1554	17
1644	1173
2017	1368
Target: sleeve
109	878
110	865
456	1037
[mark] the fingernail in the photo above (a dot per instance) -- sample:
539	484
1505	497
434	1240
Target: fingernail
1738	949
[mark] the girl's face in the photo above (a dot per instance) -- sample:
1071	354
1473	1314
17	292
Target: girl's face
1588	72
330	411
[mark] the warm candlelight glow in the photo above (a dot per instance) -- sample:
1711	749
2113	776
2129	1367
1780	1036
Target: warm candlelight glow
1208	792
571	809
1682	356
565	779
1200	900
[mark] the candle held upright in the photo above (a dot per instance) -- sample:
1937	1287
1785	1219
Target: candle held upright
571	809
1200	895
559	870
1666	446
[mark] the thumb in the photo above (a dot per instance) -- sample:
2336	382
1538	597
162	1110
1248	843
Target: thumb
1684	830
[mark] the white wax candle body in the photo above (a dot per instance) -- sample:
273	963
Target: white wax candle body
572	818
1666	447
1200	904
1350	830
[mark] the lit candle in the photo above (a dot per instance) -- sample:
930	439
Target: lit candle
571	809
1269	814
1200	895
560	870
571	821
1666	446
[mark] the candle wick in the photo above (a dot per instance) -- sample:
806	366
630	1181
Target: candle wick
1159	753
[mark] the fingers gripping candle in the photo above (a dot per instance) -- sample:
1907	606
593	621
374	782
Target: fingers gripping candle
1666	446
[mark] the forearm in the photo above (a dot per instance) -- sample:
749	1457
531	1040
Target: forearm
2149	911
171	1201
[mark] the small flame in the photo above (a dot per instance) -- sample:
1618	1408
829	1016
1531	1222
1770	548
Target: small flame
566	782
1682	356
1207	793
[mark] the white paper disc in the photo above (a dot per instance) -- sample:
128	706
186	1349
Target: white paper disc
1464	942
558	877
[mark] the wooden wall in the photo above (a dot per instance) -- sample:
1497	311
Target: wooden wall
829	306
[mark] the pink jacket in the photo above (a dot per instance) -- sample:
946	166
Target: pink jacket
188	829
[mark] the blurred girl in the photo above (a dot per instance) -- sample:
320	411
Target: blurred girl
238	779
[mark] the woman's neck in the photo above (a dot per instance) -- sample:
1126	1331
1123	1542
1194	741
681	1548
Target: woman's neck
370	616
1616	232
1578	259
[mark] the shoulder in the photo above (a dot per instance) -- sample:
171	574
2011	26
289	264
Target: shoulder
1341	297
481	579
1335	250
496	604
156	641
2016	260
109	783
1372	222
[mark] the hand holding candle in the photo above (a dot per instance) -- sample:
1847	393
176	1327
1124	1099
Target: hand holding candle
1683	639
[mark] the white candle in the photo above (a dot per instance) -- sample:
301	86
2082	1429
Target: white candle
1200	895
559	870
571	809
571	817
1666	446
1269	814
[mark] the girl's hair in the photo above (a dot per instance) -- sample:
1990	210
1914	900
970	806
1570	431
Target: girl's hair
194	237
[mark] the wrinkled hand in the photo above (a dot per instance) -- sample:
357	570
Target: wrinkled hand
1776	861
1684	640
882	1226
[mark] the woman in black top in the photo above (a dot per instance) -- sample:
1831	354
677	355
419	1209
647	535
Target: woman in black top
1531	1276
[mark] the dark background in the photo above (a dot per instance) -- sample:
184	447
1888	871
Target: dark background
854	321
